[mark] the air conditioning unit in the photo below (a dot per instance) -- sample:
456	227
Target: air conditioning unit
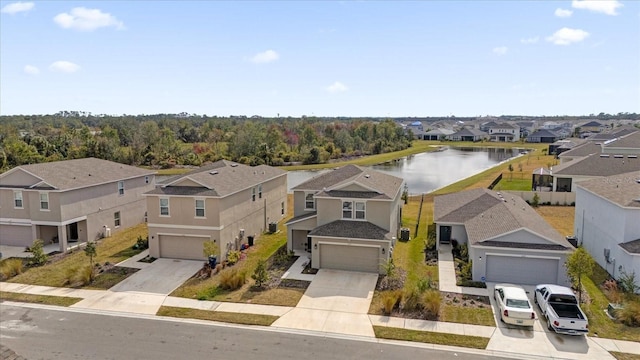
273	227
404	234
241	233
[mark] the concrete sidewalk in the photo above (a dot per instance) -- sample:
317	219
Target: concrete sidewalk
144	303
447	274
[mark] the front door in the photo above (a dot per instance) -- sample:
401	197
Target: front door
73	231
308	243
445	234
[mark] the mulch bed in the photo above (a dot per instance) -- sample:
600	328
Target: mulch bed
276	270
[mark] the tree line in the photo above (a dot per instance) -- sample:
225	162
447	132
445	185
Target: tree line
166	140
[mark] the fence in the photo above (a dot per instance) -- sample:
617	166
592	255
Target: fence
546	197
495	182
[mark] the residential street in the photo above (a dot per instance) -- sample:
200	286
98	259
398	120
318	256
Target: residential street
61	334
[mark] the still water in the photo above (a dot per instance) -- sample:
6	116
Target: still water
428	171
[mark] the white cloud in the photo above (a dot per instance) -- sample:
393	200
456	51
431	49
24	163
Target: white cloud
566	36
531	40
563	13
31	70
608	7
84	19
265	57
17	7
64	67
500	50
337	87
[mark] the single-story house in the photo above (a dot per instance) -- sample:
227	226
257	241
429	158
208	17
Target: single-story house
507	240
543	136
468	134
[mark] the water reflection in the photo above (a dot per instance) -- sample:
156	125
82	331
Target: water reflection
426	172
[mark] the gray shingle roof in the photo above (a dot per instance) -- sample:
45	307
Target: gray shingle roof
183	190
470	132
222	178
500	125
78	173
543	133
352	230
631	246
592	124
583	150
516	245
596	165
331	181
352	194
487	216
622	189
626	141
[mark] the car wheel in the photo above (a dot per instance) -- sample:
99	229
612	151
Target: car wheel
549	324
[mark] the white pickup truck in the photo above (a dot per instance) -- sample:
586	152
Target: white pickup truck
560	307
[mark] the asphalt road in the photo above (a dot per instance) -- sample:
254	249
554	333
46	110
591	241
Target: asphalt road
49	333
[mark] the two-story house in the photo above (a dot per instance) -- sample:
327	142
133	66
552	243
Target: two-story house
224	202
503	132
71	201
347	219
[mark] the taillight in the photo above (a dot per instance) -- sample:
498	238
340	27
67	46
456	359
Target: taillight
533	316
555	323
587	326
505	313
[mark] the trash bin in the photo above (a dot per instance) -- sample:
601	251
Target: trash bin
250	240
213	261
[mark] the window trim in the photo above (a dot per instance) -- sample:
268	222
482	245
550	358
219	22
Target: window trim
168	214
117	220
121	188
349	209
48	208
306	201
204	212
15	199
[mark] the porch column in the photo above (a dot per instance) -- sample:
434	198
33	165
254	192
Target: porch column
62	237
437	237
34	232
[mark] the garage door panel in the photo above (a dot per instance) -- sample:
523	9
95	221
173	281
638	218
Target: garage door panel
14	235
521	270
181	247
350	258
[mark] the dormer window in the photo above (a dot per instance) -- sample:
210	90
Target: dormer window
309	201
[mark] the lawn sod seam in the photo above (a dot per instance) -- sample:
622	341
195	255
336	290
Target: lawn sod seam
475	342
228	317
39	299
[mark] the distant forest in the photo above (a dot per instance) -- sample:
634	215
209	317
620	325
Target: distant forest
167	140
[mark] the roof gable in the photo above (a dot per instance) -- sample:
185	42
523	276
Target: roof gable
18	177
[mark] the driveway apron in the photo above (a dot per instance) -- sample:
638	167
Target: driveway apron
336	302
145	291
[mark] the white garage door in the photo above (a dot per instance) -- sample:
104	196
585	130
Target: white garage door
15	235
181	247
521	270
351	258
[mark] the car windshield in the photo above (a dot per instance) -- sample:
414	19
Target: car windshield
521	304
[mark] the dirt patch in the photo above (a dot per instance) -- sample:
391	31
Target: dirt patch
431	257
276	269
447	298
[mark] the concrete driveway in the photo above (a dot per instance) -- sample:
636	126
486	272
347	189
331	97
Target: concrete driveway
336	302
145	291
538	340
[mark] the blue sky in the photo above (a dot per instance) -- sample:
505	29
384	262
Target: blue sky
326	58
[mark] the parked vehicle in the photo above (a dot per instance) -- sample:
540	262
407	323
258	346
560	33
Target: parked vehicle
560	307
514	305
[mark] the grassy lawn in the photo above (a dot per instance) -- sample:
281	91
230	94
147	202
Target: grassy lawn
106	281
559	217
236	318
113	249
475	342
623	356
39	299
458	314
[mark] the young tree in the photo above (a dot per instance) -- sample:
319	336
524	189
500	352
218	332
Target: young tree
210	248
511	171
579	264
91	252
37	251
260	274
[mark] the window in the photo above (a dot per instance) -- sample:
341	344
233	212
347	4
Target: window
146	179
253	194
116	218
309	202
360	211
17	199
120	188
260	191
282	208
347	209
199	208
44	201
164	207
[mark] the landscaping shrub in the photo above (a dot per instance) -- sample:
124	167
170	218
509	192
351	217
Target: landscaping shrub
465	271
208	293
431	301
464	252
630	313
260	274
627	282
37	251
11	267
142	243
390	299
79	276
232	279
411	300
233	257
424	284
282	256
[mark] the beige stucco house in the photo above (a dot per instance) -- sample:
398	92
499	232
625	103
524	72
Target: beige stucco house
223	202
71	201
347	218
